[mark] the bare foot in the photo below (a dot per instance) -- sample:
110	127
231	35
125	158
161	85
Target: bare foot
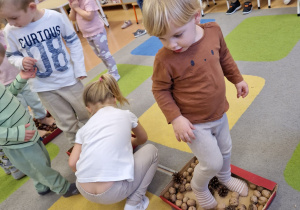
47	120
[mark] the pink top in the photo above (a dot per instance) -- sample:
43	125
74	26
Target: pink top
94	26
8	72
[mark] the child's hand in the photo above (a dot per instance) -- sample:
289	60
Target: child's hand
242	89
28	133
28	74
82	77
28	63
75	4
183	129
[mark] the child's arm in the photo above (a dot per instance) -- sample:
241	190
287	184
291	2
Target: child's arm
140	135
18	133
242	89
72	14
74	44
16	86
87	15
183	129
74	157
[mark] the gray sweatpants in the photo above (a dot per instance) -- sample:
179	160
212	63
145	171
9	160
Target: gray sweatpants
145	165
67	107
100	47
212	147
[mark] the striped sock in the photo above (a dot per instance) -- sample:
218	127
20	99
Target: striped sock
237	185
205	199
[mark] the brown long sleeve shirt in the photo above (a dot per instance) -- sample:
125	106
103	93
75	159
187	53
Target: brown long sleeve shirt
192	83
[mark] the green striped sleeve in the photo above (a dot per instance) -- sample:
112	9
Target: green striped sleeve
12	134
17	85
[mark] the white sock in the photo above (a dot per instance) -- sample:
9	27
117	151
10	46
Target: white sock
206	199
237	185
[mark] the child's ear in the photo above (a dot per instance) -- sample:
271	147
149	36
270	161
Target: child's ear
198	17
89	109
32	5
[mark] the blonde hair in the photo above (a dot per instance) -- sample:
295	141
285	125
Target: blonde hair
2	51
158	14
21	4
102	90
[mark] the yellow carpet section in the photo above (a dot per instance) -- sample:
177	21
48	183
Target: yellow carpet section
78	202
160	132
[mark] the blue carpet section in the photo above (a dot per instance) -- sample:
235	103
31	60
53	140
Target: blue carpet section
207	20
151	46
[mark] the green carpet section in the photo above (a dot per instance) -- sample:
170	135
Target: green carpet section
292	170
264	38
9	185
132	76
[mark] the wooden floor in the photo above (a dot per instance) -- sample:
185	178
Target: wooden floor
118	38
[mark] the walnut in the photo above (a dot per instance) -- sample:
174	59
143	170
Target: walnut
178	203
262	200
233	201
259	188
184	206
191	202
190	170
193	165
173	198
176	185
188	179
256	193
188	187
192	208
184	181
179	196
196	161
172	190
253	199
241	207
221	206
185	199
252	186
181	188
260	207
252	207
185	174
167	195
235	195
266	193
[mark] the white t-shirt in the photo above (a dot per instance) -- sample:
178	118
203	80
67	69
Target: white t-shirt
43	41
106	153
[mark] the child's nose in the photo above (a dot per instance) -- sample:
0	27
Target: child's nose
172	45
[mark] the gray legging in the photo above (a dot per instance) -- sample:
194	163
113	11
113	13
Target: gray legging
100	47
145	165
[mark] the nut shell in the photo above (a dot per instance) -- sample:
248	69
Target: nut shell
252	186
188	187
185	199
241	207
190	170
253	199
233	202
178	203
262	200
266	193
167	195
235	195
179	196
181	188
256	193
188	179
259	188
172	190
192	208
173	198
184	206
185	174
191	202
